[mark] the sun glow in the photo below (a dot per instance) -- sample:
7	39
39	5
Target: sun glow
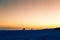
30	14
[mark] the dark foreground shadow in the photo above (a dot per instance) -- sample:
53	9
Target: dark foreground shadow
49	34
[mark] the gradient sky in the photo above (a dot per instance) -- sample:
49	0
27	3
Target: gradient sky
30	13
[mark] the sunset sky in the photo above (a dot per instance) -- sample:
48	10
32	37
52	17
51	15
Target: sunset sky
30	13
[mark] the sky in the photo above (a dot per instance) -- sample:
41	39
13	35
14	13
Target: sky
37	14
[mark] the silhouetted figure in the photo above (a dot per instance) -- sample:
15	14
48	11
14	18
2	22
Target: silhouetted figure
23	28
31	29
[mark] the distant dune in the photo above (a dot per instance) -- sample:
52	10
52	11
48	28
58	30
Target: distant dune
16	28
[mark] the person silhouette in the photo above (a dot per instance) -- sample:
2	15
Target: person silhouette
23	28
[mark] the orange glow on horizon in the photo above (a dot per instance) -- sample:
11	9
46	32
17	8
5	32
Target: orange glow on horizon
30	14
